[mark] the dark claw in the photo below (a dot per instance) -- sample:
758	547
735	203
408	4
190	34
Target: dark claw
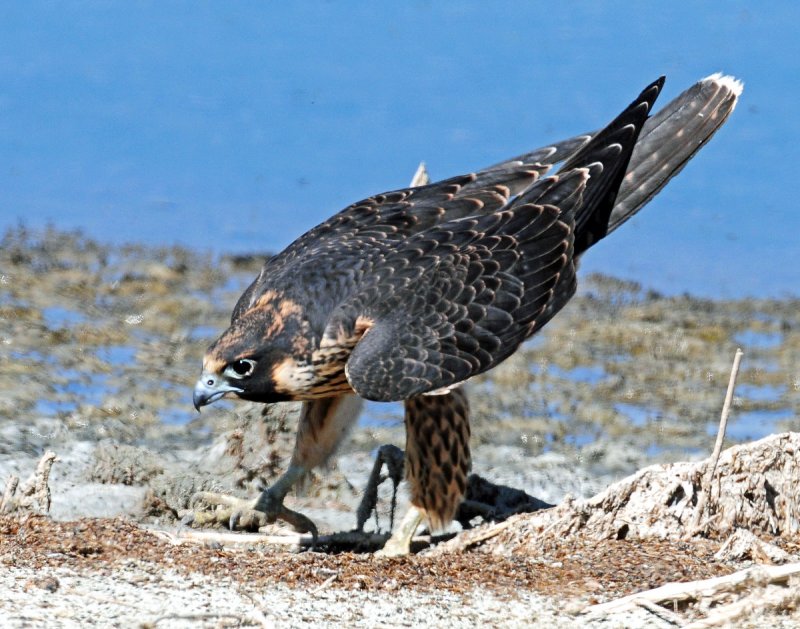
393	457
274	509
300	523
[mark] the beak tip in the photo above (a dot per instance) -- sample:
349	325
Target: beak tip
199	401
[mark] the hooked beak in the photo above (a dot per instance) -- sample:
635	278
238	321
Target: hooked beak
209	388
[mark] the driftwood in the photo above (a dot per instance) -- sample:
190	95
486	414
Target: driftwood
745	545
755	488
34	494
189	536
727	598
752	487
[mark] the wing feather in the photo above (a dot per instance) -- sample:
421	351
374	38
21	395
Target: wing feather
350	241
477	302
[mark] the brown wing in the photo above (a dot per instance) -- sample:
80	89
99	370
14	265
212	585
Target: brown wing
459	298
666	142
394	216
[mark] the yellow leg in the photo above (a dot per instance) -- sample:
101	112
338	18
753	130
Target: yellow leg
400	542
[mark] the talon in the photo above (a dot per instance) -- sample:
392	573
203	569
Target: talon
209	508
300	522
245	515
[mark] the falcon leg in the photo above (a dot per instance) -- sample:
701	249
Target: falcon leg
437	463
323	424
251	515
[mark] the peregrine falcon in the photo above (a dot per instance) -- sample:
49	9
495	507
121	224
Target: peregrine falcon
408	294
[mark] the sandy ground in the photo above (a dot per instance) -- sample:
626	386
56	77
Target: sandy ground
100	570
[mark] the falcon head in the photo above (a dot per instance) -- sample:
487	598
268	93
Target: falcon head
250	360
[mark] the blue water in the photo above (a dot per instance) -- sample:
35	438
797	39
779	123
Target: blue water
639	415
590	374
744	426
750	339
57	317
80	387
233	127
763	393
117	355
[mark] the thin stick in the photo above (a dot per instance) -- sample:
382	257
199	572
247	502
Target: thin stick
325	585
199	616
192	536
723	425
661	612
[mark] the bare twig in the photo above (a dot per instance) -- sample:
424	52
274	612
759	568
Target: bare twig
325	584
660	612
191	536
197	617
696	526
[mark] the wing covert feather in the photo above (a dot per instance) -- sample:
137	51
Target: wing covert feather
459	298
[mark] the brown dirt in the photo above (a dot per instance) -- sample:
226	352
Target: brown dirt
580	568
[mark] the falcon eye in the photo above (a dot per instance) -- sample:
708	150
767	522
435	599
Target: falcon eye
240	368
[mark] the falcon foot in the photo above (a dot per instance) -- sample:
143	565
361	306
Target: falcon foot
399	544
210	508
483	499
494	503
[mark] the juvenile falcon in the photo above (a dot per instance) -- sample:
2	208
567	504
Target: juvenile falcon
408	294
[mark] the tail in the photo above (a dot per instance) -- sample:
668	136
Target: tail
671	138
665	143
611	149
